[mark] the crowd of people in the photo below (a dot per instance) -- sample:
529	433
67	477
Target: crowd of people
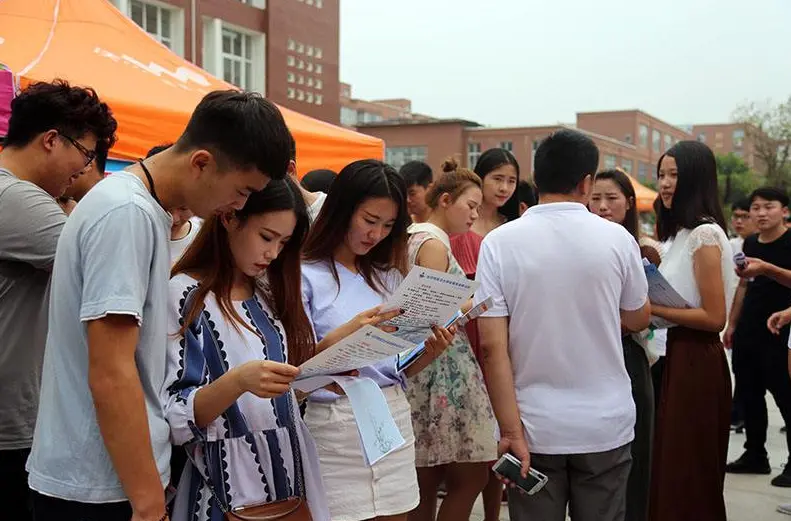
154	320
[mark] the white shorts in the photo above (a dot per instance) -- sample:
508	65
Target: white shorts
355	491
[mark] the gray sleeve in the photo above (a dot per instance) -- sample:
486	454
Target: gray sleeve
30	224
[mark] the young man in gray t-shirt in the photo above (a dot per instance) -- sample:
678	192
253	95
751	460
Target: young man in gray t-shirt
101	450
51	140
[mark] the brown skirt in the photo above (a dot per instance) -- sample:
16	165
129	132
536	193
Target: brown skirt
692	430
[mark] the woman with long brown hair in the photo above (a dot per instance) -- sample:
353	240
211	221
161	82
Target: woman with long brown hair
613	198
240	330
355	258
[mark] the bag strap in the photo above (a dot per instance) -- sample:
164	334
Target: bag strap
284	404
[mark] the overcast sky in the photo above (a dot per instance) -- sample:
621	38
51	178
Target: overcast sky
531	62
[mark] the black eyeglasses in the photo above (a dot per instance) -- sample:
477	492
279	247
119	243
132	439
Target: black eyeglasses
90	155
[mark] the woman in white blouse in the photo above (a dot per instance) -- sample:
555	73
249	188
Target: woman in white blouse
693	420
239	331
355	258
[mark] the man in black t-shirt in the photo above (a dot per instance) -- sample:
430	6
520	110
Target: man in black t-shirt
759	357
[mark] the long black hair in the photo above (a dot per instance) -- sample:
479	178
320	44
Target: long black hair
210	257
356	183
696	198
490	161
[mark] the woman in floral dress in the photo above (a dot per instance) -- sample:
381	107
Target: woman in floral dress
451	413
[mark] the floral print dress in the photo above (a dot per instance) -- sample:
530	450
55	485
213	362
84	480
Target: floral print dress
451	412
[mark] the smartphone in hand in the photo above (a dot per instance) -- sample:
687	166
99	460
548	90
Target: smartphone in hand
510	468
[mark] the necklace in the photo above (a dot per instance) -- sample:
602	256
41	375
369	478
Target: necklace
151	184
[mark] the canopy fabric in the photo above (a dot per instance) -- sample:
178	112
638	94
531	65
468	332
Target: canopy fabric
645	196
151	90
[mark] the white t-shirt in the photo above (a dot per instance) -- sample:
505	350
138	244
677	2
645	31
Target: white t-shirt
315	208
179	246
736	244
562	275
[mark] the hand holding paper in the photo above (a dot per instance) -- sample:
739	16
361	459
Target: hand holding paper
661	293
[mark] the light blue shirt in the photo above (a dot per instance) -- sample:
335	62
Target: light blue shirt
329	306
112	258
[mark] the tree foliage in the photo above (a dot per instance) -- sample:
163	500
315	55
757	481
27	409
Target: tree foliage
768	128
735	178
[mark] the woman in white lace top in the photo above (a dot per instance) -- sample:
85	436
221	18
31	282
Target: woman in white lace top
693	418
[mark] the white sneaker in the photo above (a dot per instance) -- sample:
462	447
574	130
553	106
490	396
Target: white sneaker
785	509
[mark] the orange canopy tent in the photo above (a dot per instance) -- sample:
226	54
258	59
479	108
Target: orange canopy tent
645	196
151	90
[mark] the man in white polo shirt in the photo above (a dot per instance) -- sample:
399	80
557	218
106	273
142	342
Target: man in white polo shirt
552	339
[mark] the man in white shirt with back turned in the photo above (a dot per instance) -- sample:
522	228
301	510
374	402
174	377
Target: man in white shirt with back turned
552	339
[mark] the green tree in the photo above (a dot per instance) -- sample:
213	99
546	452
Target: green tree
768	128
735	178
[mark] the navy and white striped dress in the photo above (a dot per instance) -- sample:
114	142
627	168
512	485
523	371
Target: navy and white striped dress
252	443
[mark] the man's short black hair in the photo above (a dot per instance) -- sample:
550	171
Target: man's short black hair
318	180
563	160
741	204
527	193
157	149
416	173
242	130
72	111
770	193
100	161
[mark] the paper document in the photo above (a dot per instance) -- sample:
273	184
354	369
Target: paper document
661	293
407	358
361	349
429	297
379	434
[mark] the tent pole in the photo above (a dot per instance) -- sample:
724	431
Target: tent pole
193	37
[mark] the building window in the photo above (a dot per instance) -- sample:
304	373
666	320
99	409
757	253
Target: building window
309	68
348	116
300	79
309	97
319	99
309	50
368	117
300	48
702	137
656	141
291	44
155	20
738	138
310	82
301	65
507	145
627	138
646	172
626	165
609	161
319	84
668	142
399	156
319	68
290	77
643	136
319	53
473	154
300	95
237	58
738	153
319	3
291	93
290	61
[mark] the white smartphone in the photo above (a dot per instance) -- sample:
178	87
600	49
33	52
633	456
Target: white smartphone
510	468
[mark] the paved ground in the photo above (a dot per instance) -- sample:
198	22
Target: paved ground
748	498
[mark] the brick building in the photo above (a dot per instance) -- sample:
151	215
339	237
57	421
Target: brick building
356	111
286	49
632	140
727	138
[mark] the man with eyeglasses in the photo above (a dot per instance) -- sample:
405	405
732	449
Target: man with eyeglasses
52	137
92	174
